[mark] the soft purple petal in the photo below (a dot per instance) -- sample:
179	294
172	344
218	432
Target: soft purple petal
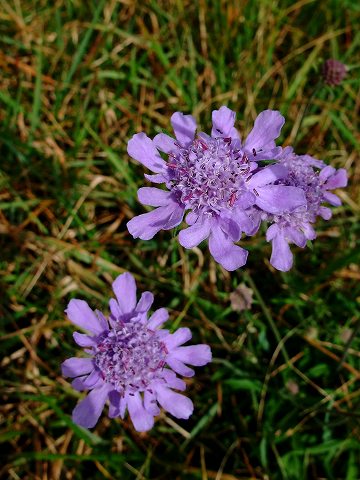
114	406
245	200
123	405
141	148
272	231
159	317
158	178
150	403
193	235
102	319
154	197
338	180
176	214
332	199
295	236
93	380
222	248
325	213
162	333
145	302
172	380
267	127
245	223
114	308
204	136
78	383
191	218
84	340
255	217
181	336
278	199
165	143
267	154
179	367
184	127
231	227
281	256
81	315
223	123
174	403
87	412
141	419
196	355
74	367
88	382
145	226
267	175
124	288
326	172
308	230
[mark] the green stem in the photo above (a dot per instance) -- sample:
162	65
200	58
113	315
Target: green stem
268	316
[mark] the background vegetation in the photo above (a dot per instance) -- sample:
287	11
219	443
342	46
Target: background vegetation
78	78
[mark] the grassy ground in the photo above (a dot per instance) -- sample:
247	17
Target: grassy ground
282	398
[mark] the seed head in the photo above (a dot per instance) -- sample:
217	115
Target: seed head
333	72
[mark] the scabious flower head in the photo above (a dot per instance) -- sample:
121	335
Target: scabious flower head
132	362
315	179
216	179
333	72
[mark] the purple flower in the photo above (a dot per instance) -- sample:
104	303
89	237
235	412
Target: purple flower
315	179
133	362
216	179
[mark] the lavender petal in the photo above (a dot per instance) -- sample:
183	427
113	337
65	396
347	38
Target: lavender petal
74	367
141	148
267	175
154	197
267	127
87	412
145	226
223	124
332	199
222	248
195	234
81	315
84	340
165	143
114	404
184	127
150	403
174	403
197	355
281	256
142	420
172	380
145	302
159	317
278	199
181	336
124	288
338	180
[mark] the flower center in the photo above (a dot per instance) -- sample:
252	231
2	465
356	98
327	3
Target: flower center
304	177
208	175
130	356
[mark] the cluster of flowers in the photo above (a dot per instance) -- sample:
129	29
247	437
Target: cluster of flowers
227	189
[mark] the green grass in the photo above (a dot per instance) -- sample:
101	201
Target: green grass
281	399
